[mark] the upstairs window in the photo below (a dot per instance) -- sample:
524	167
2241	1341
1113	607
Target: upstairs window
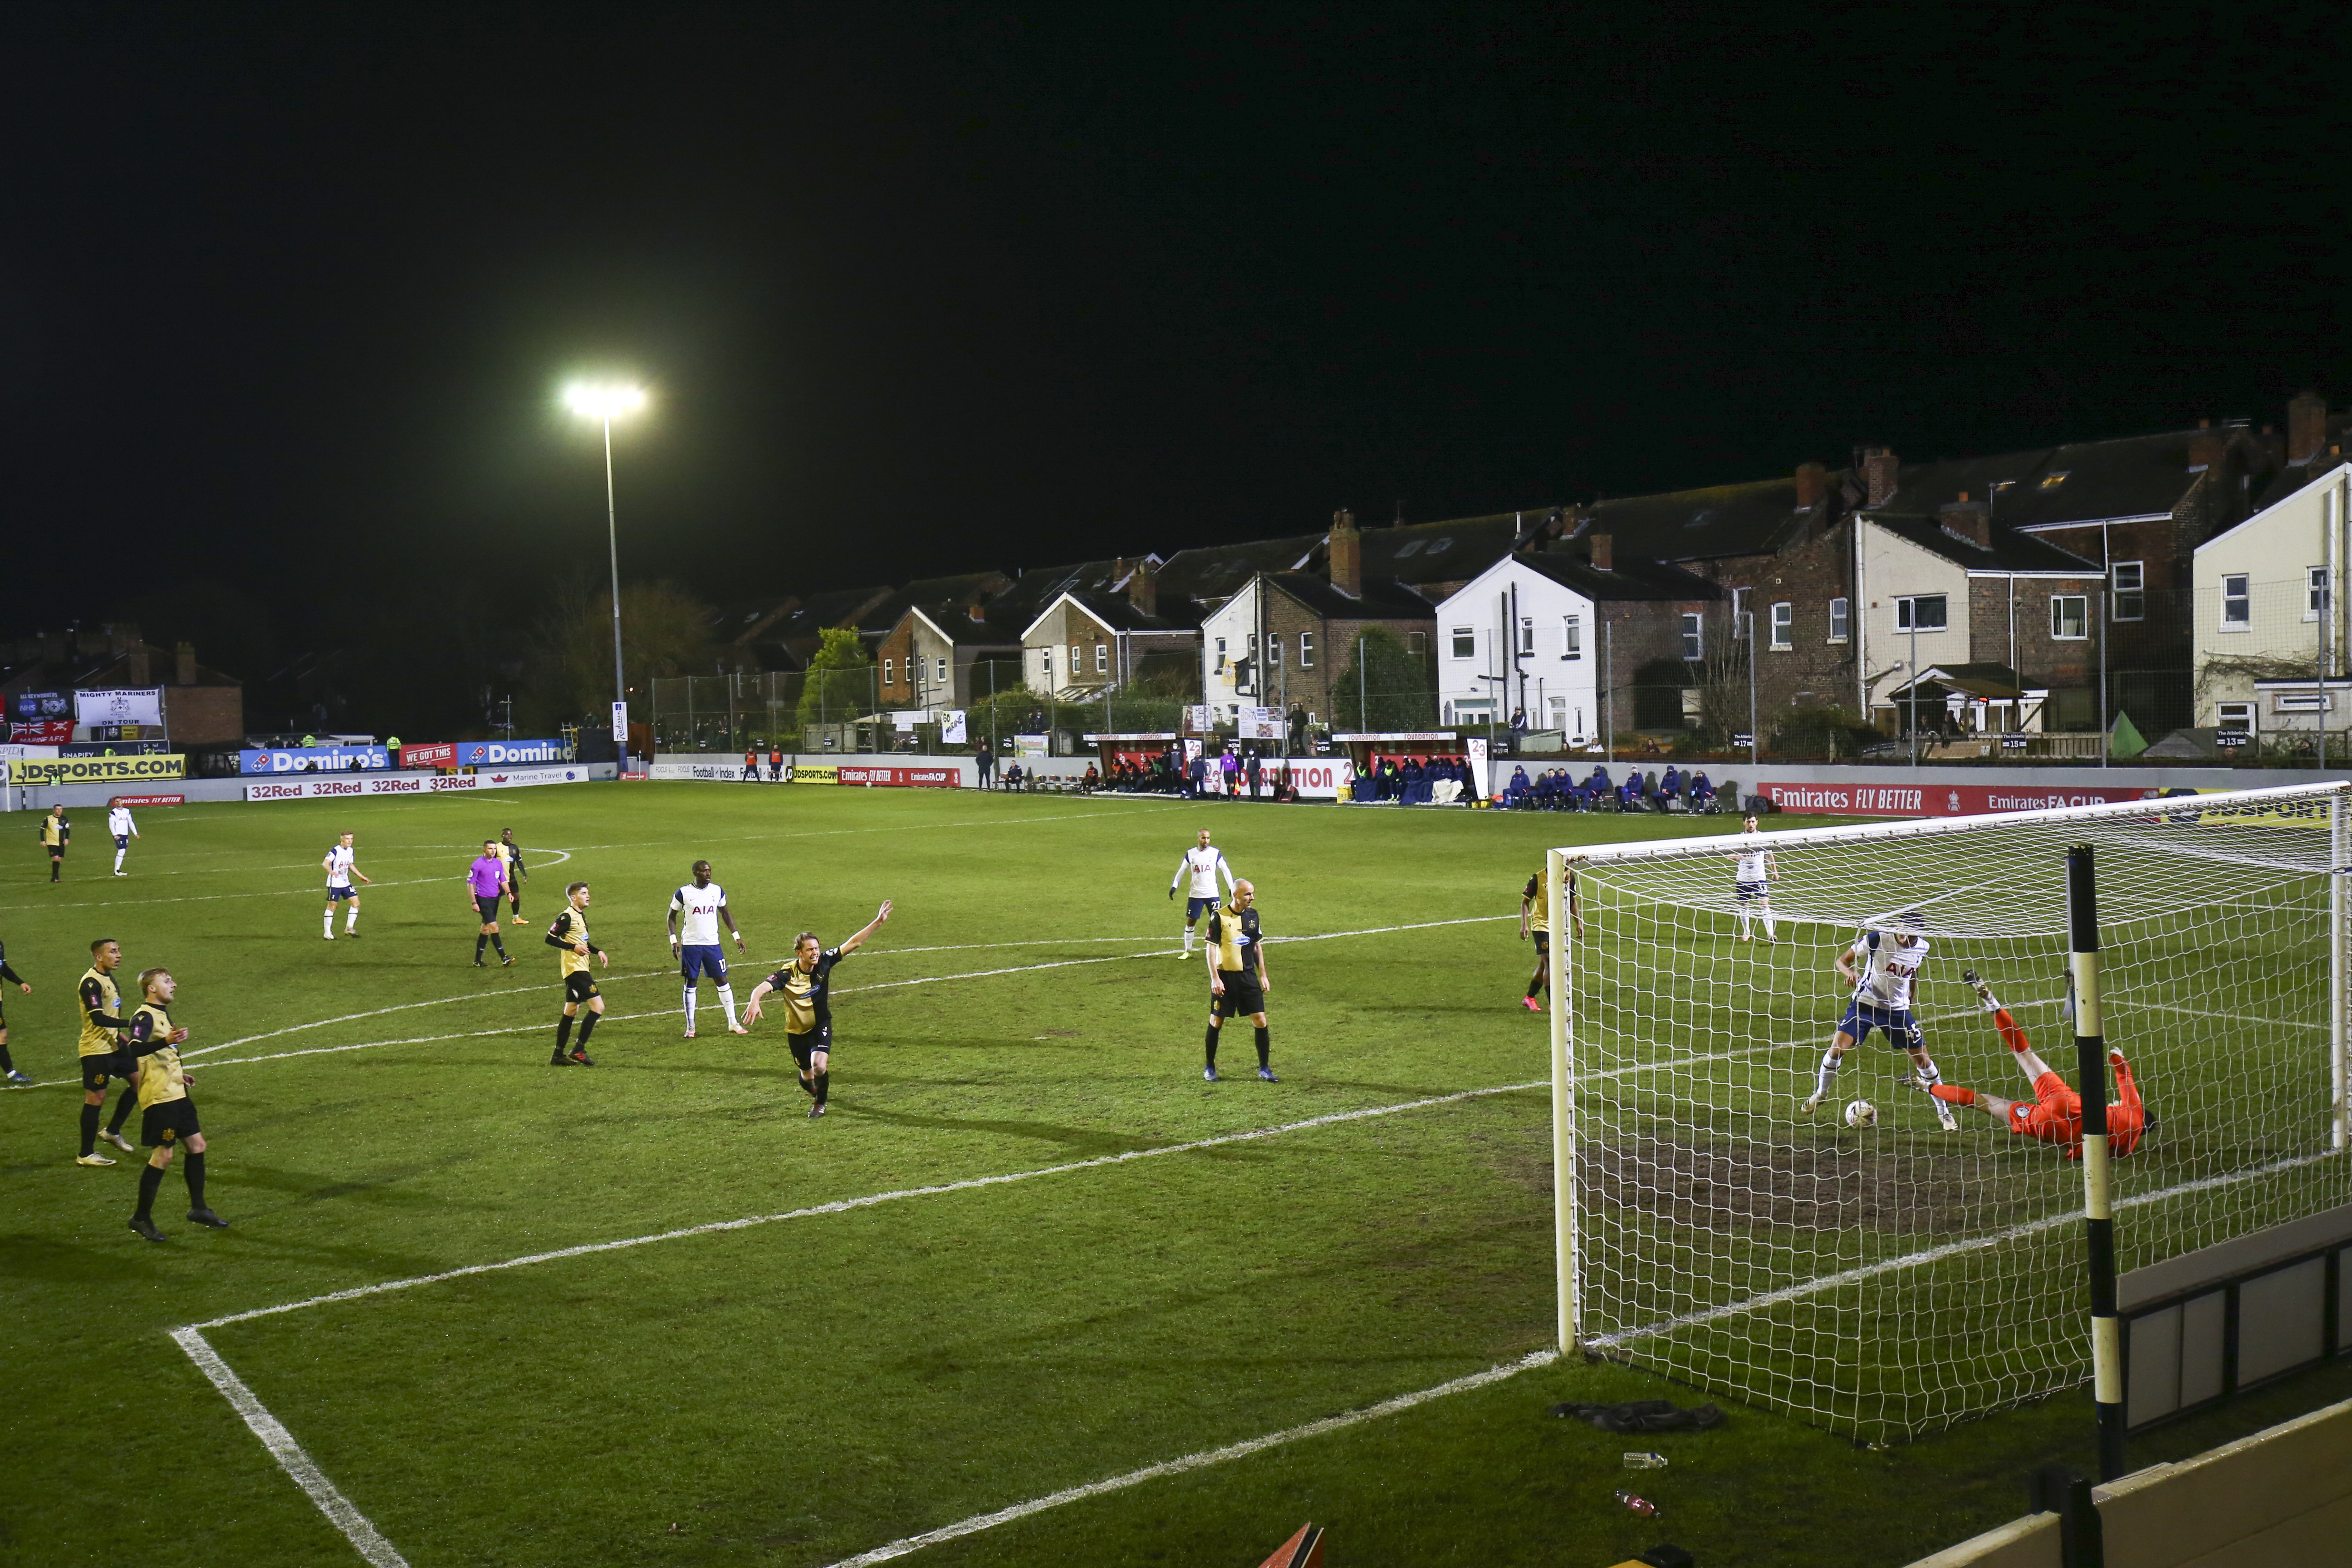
1694	636
2237	603
1221	656
1102	658
1527	634
940	673
2131	601
1920	612
2314	593
1466	643
1307	650
1571	637
1784	625
2070	616
1839	610
1077	660
889	670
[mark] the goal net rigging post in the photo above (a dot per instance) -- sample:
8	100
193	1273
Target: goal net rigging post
1893	1277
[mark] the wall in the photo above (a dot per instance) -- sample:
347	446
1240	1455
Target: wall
1559	692
1232	622
203	715
1894	568
2273	550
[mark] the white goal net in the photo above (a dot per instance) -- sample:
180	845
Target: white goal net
1892	1279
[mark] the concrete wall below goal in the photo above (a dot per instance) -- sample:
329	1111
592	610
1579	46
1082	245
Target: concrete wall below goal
2282	1496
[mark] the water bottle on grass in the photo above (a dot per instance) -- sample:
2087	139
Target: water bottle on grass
1645	1461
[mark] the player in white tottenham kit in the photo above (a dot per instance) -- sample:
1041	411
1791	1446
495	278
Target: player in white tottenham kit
1202	864
695	912
1881	966
342	865
1753	880
117	823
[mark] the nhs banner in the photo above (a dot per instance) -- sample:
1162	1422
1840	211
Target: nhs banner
507	754
313	759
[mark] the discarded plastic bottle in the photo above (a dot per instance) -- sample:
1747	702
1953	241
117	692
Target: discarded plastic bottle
1645	1461
1640	1505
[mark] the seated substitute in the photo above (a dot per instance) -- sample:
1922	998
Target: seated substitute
2054	1114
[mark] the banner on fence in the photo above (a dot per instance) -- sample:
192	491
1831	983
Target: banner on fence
916	778
1259	723
510	754
951	727
412	783
1890	797
33	707
35	771
1027	746
136	705
13	752
429	754
813	773
1320	778
49	733
313	759
150	800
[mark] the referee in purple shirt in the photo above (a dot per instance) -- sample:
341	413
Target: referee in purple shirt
485	884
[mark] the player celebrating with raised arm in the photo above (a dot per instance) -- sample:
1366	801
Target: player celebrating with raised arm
166	1115
1755	871
100	1046
806	986
511	853
119	823
1203	865
1237	978
1881	966
568	936
8	1073
1535	920
486	885
343	863
695	912
2055	1115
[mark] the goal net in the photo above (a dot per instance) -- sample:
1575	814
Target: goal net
1892	1279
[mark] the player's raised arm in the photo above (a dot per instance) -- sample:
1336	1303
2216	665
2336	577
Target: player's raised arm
854	942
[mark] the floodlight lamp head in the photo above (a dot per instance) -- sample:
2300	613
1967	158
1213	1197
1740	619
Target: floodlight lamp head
604	400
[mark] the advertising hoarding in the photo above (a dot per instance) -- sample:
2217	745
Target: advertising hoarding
949	777
313	760
410	784
132	705
1891	795
429	754
35	771
509	753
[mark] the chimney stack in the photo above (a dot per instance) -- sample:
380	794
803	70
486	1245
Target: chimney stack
1143	588
136	660
1346	554
2206	447
1812	486
1604	552
1967	519
1880	470
2306	428
187	670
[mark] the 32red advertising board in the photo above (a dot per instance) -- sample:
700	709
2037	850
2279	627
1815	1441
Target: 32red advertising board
1892	795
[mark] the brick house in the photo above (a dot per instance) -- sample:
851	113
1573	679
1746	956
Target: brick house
202	706
1089	641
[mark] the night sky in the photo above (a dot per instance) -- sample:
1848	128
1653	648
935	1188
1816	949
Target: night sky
286	292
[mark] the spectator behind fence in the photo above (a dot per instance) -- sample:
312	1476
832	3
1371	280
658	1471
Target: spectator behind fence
1702	793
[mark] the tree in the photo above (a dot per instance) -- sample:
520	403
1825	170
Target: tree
840	683
1395	689
568	667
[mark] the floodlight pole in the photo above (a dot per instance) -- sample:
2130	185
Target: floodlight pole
2098	1205
613	542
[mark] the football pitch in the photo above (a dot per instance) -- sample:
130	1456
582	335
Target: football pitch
495	1312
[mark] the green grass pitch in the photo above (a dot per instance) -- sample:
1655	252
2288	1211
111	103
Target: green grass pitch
803	1391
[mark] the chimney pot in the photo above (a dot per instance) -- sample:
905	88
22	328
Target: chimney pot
1967	519
2306	427
1604	552
1813	485
1346	554
1880	470
1143	589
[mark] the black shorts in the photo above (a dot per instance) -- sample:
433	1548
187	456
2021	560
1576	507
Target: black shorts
1241	995
579	987
806	1046
97	1069
167	1123
53	850
1543	937
488	907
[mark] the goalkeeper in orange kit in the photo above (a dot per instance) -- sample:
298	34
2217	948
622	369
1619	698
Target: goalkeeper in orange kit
2055	1115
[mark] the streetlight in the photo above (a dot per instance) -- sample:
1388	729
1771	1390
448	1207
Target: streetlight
603	402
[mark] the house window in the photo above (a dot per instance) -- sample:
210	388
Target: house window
1221	656
2070	616
1046	665
2314	596
2237	603
1102	658
1920	613
2238	716
1694	636
1417	644
1274	652
1527	634
1838	610
2052	481
1466	643
1784	625
889	676
1077	661
2130	603
1307	650
940	675
2302	702
1571	637
1738	605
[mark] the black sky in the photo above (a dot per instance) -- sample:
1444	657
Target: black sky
285	292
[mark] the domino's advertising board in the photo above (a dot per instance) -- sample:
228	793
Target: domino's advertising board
313	760
509	753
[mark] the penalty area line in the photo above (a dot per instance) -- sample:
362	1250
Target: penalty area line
289	1455
1202	1460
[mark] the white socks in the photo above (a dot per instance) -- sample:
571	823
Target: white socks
351	917
727	1000
1828	1071
689	1008
118	859
331	920
1772	929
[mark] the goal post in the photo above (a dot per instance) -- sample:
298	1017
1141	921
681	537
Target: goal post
1891	1277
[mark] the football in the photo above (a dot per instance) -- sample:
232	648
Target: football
1861	1113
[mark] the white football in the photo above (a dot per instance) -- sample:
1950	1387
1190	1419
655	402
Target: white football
1861	1113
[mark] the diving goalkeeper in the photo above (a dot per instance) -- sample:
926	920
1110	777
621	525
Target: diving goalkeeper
2056	1113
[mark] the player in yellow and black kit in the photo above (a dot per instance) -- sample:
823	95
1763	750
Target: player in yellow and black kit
569	935
167	1117
1237	977
102	1056
8	1073
1535	920
55	831
806	986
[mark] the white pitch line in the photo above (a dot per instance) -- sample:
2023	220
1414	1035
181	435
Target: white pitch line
1201	1460
843	1205
289	1455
